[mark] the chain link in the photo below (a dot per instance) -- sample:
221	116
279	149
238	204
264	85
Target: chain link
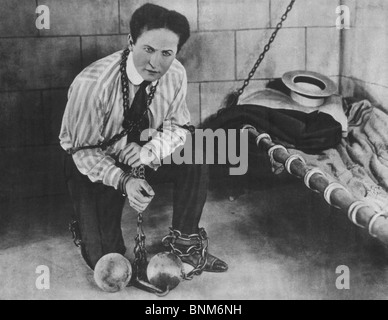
140	250
75	231
200	247
128	124
266	49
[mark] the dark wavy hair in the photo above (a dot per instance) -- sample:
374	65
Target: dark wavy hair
150	16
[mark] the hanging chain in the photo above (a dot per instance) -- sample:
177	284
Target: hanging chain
76	233
266	49
128	124
139	250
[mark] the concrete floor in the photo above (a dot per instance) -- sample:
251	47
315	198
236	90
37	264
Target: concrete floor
280	243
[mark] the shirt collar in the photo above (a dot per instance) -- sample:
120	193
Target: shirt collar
133	75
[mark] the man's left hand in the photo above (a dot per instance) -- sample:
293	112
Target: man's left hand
134	155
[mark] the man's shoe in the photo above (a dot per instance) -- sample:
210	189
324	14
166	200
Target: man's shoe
193	250
213	264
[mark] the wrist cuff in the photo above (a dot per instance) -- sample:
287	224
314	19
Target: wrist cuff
125	177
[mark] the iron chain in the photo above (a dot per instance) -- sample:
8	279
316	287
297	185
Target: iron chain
201	248
139	250
266	49
125	89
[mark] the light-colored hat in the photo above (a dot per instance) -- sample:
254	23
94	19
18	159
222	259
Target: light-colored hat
309	88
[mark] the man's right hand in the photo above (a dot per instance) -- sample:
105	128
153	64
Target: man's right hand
139	194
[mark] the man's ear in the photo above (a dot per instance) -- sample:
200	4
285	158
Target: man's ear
130	42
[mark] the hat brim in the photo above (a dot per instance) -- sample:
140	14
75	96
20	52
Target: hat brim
309	84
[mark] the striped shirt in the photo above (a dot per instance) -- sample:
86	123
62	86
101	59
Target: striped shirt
94	113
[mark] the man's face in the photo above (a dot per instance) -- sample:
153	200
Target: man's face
154	52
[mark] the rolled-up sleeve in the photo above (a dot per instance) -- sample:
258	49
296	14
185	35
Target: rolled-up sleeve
81	126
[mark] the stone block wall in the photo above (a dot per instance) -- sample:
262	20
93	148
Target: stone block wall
364	68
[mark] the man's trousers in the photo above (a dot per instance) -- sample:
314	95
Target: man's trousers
98	208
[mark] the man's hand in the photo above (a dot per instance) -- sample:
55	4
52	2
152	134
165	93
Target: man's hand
139	194
134	155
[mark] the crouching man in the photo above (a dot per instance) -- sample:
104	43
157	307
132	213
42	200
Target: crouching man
139	88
